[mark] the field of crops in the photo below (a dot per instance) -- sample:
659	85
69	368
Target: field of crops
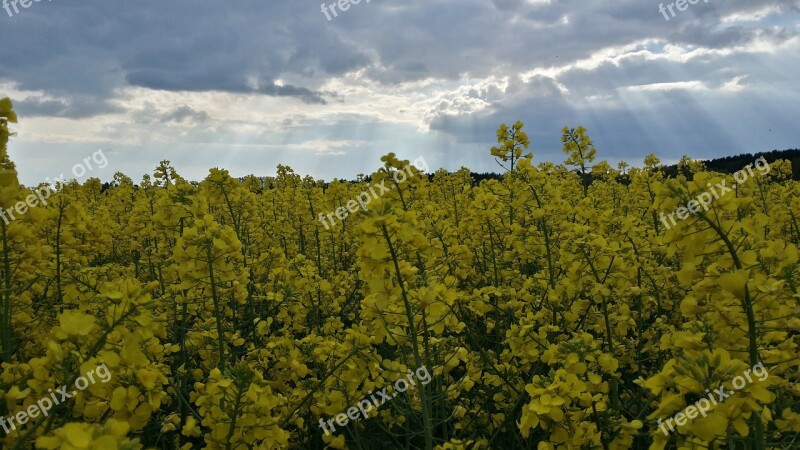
404	311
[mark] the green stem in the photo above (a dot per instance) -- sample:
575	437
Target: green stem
752	332
217	311
5	305
414	344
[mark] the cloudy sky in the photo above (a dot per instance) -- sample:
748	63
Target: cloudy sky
249	84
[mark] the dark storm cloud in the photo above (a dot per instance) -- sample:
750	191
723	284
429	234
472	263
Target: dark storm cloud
73	107
246	46
95	47
185	114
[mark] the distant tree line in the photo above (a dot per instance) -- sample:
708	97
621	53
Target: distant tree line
728	165
732	164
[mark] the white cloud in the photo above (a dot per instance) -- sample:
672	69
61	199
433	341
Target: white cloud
671	86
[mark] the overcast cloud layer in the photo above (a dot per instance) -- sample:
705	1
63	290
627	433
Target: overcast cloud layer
249	84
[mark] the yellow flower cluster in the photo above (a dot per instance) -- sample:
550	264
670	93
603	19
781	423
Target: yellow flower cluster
551	306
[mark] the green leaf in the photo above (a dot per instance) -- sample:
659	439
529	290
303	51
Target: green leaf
5	105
